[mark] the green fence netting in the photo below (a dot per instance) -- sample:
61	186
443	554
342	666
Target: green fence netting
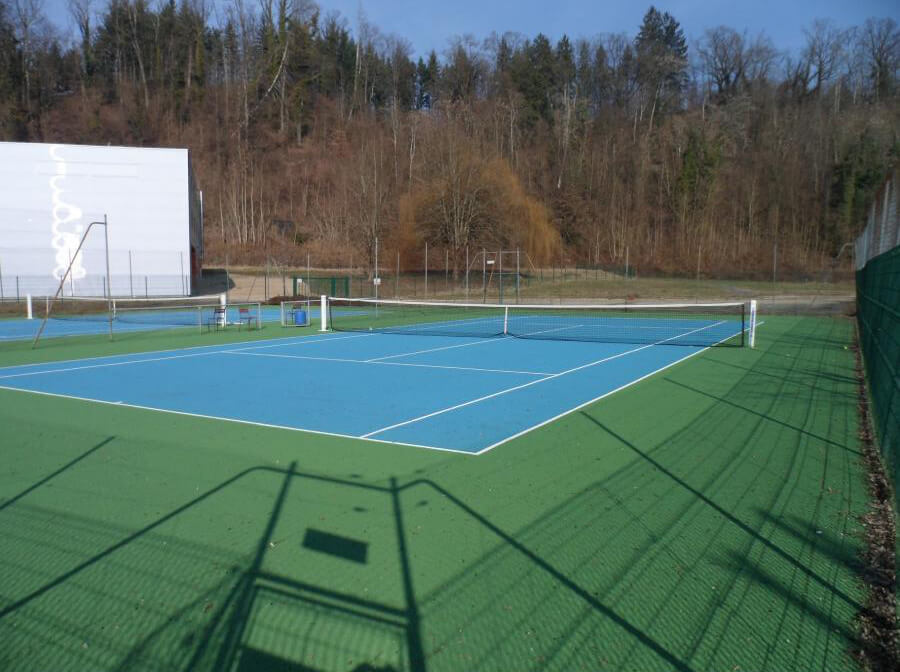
877	255
878	312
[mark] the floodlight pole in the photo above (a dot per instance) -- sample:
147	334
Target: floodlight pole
62	281
467	273
108	277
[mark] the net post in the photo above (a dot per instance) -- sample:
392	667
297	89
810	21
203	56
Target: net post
753	323
505	320
323	314
28	307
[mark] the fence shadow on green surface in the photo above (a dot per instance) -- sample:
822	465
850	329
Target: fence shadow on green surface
515	579
767	417
49	477
233	603
745	528
821	540
245	599
636	568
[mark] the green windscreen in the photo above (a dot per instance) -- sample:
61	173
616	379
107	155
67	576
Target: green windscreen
878	310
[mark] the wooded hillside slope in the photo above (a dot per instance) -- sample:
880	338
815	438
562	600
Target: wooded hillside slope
312	132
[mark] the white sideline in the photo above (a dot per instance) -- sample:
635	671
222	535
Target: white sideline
161	359
604	395
122	404
534	382
191	347
366	437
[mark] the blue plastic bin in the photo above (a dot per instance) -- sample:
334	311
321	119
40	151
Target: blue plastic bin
300	318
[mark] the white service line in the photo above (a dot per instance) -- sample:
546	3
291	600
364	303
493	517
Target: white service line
281	345
480	340
107	364
377	363
121	404
161	359
533	382
293	340
591	401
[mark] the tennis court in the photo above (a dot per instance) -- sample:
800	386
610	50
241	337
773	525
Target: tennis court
94	320
461	393
611	489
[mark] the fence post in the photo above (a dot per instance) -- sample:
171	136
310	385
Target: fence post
774	260
483	275
467	273
500	275
131	275
517	275
397	277
71	276
146	287
426	269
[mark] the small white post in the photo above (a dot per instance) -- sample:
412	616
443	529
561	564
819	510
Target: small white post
323	313
28	306
753	323
506	321
223	317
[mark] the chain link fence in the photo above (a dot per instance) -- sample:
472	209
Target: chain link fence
878	313
133	273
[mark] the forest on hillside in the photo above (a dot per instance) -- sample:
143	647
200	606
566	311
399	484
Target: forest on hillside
313	132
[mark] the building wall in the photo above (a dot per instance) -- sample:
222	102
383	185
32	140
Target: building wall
50	193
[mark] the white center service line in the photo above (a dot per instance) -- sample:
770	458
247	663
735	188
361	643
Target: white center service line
377	363
480	341
529	384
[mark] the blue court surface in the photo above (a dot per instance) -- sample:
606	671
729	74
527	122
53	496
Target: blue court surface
447	393
20	329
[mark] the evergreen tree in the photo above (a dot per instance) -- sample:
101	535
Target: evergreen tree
661	59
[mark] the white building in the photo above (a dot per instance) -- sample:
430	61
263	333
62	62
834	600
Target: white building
49	194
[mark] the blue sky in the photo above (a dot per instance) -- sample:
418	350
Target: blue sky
431	24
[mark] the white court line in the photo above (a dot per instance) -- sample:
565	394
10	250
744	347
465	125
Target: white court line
158	359
324	433
121	404
529	384
377	363
312	339
606	394
480	340
445	347
281	345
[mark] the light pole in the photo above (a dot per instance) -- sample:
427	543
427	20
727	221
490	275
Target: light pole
62	280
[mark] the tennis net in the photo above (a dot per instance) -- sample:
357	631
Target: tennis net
156	312
669	324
